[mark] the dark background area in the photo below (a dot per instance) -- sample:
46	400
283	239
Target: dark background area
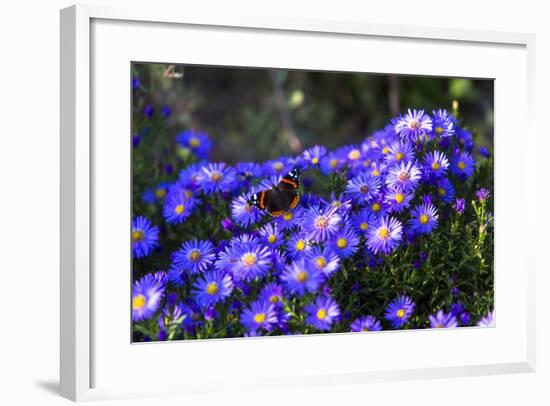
254	114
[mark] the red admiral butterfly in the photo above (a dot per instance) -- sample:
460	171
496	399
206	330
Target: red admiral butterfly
280	199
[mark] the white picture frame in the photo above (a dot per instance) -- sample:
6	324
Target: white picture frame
79	346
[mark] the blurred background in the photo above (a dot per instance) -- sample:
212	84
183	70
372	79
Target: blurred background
255	114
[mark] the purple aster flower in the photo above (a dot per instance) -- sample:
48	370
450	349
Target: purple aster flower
465	139
198	142
319	223
271	235
488	321
435	164
279	166
363	188
399	151
345	242
251	261
144	237
340	202
177	208
147	293
442	320
161	190
463	165
331	163
136	140
217	177
425	218
190	175
290	219
385	236
194	256
212	287
460	205
443	124
300	279
314	155
397	200
404	176
446	190
259	315
324	260
322	313
298	245
483	195
135	83
457	308
399	311
363	221
243	212
249	170
368	323
413	126
272	293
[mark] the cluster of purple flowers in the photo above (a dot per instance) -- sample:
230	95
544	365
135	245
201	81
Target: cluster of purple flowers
273	275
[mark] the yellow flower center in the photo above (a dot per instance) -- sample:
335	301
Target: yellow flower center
375	207
414	125
375	172
287	216
436	166
364	329
179	209
300	245
383	233
399	156
439	325
274	299
187	193
385	150
321	222
247	208
195	256
278	166
216	176
403	176
320	262
442	191
342	243
160	193
321	314
212	288
302	276
249	259
438	130
137	235
364	226
399	197
354	154
259	318
138	301
424	219
271	239
337	204
315	160
400	313
194	142
364	189
333	163
461	165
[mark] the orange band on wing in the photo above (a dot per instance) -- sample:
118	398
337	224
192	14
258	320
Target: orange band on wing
262	205
277	213
290	182
295	202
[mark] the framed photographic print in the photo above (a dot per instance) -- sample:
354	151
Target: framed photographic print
262	213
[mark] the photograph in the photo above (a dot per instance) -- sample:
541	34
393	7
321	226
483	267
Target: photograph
275	202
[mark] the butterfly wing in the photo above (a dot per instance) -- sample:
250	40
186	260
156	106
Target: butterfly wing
281	198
